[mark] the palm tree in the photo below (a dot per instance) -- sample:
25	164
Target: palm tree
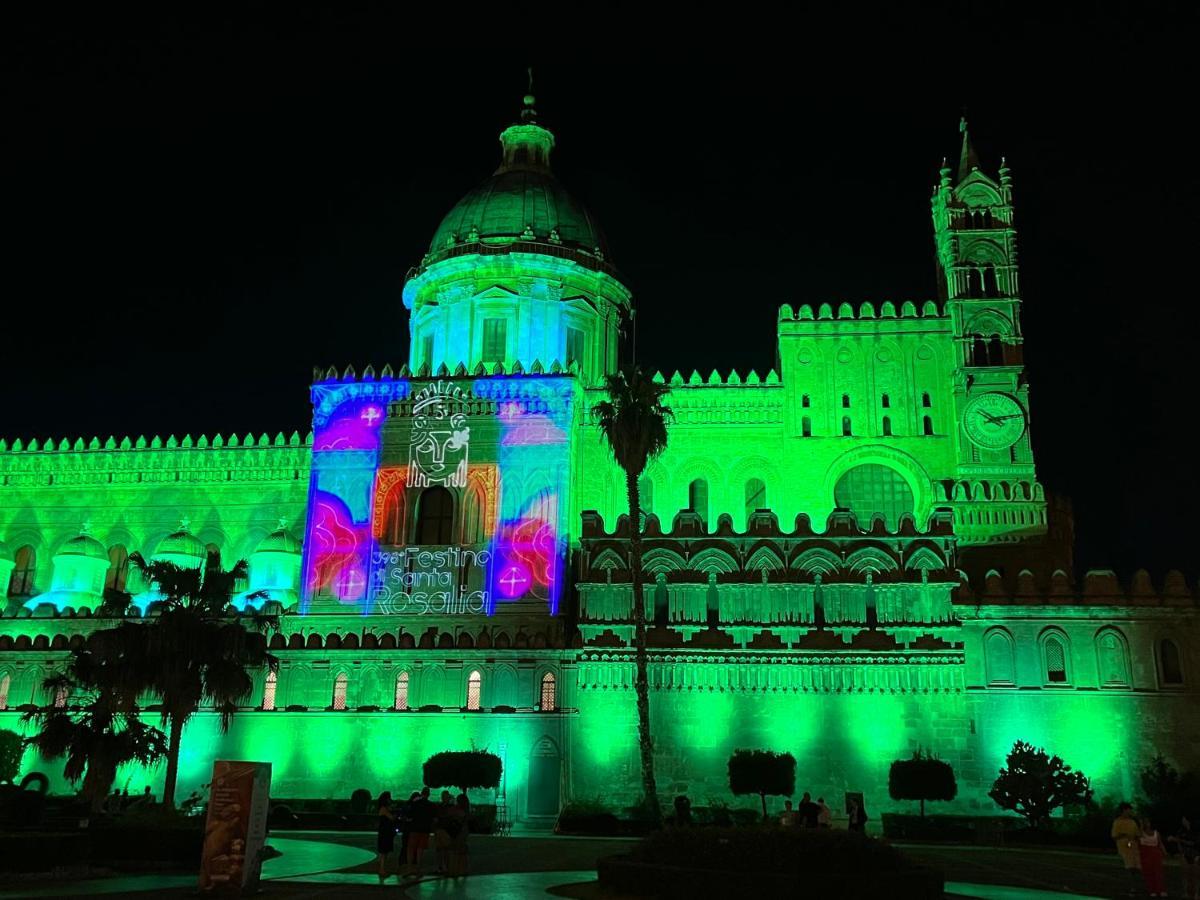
194	650
98	735
633	420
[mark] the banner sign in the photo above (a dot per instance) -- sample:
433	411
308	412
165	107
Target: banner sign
236	827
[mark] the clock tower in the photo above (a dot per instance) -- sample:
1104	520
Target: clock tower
995	495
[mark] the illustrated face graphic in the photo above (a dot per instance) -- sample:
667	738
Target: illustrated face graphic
438	442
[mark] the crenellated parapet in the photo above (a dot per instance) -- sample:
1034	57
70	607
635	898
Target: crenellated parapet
131	460
823	312
1099	587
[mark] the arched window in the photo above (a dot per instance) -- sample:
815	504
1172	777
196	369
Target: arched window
998	658
435	516
806	426
394	509
645	498
401	701
698	499
990	286
340	684
927	425
847	431
1112	658
979	350
5	684
20	583
118	568
269	686
1170	666
845	401
549	701
1054	658
474	690
756	496
872	490
885	401
925	401
887	427
806	401
472	519
995	351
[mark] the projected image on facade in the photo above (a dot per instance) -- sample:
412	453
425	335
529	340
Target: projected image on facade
438	497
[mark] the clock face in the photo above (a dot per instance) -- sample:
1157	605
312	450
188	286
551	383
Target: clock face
994	421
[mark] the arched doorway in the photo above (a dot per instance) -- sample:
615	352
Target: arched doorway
545	778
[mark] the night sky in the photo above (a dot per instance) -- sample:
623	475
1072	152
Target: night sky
196	215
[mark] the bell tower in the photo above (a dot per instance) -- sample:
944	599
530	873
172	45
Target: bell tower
995	495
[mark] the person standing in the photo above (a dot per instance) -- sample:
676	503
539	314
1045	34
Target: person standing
422	824
404	824
1189	858
683	811
857	816
1152	853
787	818
460	822
441	833
1125	833
824	814
385	834
807	811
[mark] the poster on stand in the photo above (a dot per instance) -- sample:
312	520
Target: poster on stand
236	828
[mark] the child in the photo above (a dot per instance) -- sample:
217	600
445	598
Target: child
1151	853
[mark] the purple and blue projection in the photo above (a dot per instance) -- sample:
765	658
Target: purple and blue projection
438	497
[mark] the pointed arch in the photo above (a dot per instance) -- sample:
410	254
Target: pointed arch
818	561
766	558
870	559
659	559
713	560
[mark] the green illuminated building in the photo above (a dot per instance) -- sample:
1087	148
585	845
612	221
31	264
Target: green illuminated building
848	558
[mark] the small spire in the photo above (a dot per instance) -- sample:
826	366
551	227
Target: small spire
528	113
283	523
968	162
85	527
185	523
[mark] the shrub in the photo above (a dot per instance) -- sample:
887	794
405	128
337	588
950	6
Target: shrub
1034	784
360	801
762	772
921	778
11	750
295	707
462	769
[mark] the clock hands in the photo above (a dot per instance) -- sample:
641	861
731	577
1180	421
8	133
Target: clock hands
997	420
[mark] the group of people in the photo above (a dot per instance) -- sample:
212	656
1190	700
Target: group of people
415	820
818	815
119	801
1142	850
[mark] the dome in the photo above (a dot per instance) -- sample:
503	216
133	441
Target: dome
278	541
522	207
83	544
181	543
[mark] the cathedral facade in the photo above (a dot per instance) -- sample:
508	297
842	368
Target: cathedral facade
848	557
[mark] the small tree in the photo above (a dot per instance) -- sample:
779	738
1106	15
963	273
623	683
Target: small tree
762	772
1034	784
922	778
11	750
98	736
1168	793
462	769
